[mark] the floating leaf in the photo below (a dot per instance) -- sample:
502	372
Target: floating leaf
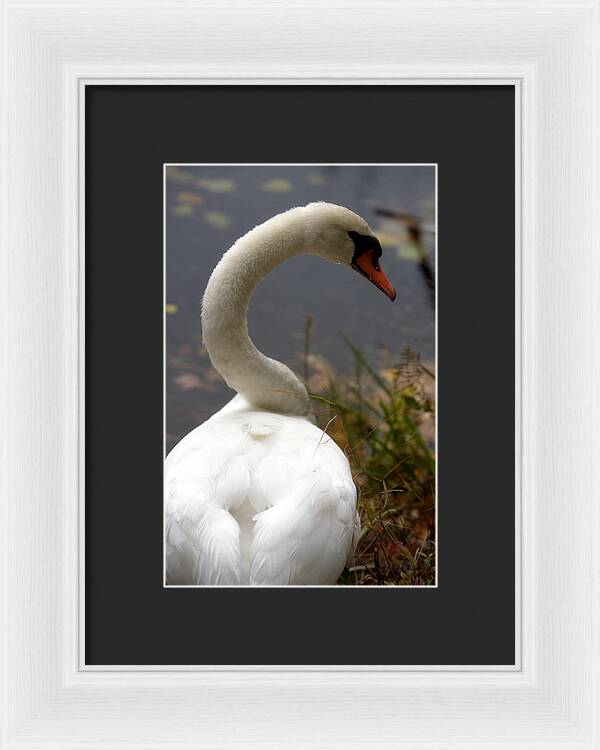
182	210
276	185
171	309
216	185
187	381
217	219
176	174
189	198
204	379
316	179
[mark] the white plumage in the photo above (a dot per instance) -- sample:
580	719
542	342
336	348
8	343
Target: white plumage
279	481
258	494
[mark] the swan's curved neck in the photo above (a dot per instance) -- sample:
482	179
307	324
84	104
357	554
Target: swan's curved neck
264	382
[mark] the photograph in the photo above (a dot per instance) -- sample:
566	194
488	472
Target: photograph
300	383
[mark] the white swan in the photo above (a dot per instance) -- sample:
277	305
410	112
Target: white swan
258	494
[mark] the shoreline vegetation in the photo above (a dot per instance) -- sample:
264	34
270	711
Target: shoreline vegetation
384	421
383	418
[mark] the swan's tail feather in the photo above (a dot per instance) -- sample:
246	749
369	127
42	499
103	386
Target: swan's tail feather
205	551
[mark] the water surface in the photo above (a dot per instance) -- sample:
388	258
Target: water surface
209	207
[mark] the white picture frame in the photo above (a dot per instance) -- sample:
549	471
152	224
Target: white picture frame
547	49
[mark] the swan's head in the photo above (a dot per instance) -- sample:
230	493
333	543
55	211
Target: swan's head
339	235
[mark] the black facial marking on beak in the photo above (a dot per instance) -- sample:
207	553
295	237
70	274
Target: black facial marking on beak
367	252
362	244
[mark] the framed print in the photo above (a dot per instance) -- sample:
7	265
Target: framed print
379	498
383	394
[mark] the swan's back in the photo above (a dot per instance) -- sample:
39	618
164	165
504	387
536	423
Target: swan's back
258	497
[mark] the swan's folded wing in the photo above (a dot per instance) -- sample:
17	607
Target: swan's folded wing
202	547
307	536
201	540
206	476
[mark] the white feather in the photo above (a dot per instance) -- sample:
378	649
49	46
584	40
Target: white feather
300	490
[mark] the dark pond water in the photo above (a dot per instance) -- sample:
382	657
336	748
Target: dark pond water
209	207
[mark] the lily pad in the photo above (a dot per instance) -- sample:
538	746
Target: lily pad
217	219
216	185
188	198
182	209
276	185
178	175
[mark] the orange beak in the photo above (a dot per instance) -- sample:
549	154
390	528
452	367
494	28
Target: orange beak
367	264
